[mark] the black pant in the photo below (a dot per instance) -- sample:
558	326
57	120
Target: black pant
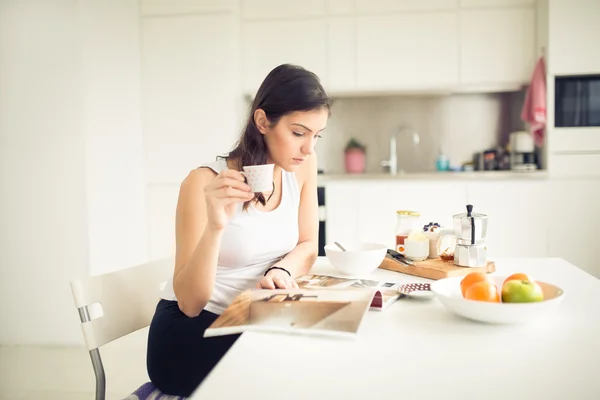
179	357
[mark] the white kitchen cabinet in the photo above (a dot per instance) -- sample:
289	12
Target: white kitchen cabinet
342	208
180	7
573	220
276	9
497	46
189	89
517	216
495	3
267	44
379	201
341	57
292	9
407	51
574	29
573	165
366	7
580	139
341	7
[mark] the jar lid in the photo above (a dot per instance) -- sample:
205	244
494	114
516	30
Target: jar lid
410	213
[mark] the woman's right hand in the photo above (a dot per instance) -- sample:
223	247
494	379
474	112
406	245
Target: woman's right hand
223	194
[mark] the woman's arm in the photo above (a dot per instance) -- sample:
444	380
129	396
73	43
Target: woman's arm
303	256
204	207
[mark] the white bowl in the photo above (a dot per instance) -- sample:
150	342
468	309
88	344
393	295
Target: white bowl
359	259
448	292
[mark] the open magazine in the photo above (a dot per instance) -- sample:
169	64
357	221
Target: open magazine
386	293
336	313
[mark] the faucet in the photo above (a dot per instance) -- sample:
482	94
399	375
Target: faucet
392	163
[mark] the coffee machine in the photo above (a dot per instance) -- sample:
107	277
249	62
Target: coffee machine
469	230
522	152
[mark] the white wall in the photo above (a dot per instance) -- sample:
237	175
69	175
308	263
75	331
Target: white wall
71	158
44	236
192	103
110	55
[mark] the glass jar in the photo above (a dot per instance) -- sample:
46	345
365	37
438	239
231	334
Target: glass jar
407	222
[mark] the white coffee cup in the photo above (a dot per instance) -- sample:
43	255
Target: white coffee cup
259	177
416	247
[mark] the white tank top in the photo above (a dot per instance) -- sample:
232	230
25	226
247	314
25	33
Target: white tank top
253	241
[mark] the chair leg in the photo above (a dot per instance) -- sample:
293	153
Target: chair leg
100	377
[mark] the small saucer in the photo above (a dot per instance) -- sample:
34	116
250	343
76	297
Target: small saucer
421	291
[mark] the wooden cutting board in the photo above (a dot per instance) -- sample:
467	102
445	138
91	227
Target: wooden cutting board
434	268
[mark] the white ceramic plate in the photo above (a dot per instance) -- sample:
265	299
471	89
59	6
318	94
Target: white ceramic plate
447	291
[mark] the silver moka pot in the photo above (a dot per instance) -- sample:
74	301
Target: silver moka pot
470	230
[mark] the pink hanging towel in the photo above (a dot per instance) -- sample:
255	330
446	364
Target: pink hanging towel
534	107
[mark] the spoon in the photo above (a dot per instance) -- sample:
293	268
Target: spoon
340	246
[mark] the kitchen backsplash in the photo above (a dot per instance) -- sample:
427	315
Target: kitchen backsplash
459	125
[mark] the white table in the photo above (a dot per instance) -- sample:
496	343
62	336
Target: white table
418	350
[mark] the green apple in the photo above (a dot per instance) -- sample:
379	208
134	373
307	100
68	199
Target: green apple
520	291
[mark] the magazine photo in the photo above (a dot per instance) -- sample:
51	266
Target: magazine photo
296	311
384	295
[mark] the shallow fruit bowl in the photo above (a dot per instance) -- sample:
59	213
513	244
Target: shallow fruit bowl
359	259
448	292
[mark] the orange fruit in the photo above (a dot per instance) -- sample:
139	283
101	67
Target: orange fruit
483	291
518	276
470	279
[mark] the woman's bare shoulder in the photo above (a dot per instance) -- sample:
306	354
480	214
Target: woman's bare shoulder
197	178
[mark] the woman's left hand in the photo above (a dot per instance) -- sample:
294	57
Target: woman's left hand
277	279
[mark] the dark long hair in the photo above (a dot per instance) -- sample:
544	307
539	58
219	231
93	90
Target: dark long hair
286	89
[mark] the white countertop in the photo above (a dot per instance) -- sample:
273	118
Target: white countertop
473	175
418	350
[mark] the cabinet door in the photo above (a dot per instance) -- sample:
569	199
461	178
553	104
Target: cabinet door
341	57
180	7
565	165
274	9
267	44
407	51
341	7
436	201
495	3
574	29
517	216
341	220
366	7
573	222
190	85
497	45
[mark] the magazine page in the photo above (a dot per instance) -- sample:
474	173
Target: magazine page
336	313
386	293
315	281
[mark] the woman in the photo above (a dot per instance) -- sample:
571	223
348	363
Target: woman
229	239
